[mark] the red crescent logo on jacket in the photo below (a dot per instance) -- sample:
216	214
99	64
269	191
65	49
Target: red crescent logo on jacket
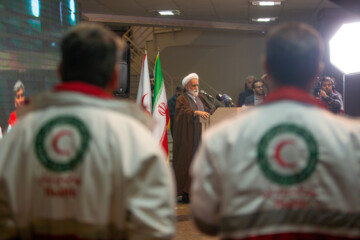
62	142
55	142
278	156
287	154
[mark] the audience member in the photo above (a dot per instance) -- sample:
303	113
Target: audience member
187	132
171	105
264	78
339	94
287	169
327	95
258	96
81	164
247	92
152	86
19	100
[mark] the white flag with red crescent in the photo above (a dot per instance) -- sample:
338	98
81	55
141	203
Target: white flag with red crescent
144	91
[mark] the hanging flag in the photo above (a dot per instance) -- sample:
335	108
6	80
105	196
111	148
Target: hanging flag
144	91
160	108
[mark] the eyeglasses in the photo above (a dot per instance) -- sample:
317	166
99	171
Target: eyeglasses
19	96
326	85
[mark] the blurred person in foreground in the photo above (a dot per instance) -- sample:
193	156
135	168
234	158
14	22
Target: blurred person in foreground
287	169
19	100
85	165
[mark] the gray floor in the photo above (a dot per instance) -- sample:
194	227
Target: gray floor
185	229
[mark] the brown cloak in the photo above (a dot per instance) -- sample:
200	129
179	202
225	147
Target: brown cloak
187	129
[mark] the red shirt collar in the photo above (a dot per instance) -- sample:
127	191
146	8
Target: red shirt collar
292	94
84	88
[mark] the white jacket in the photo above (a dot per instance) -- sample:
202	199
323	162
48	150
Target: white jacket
76	165
283	169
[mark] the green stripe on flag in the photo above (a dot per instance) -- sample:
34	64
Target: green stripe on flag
158	81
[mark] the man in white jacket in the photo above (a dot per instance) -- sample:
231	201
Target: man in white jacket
287	169
80	164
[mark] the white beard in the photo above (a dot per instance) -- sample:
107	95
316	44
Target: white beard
194	93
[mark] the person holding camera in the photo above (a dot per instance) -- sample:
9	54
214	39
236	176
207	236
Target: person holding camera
331	99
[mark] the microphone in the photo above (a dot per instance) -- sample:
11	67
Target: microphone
206	94
225	99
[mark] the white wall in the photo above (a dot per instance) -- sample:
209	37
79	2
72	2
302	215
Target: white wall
222	59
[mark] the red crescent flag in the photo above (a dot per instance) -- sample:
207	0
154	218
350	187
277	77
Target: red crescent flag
144	91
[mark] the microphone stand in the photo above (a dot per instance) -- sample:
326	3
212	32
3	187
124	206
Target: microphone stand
211	100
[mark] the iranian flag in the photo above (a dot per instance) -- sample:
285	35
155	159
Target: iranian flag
160	108
144	91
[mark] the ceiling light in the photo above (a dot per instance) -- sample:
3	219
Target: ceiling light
266	3
166	12
264	19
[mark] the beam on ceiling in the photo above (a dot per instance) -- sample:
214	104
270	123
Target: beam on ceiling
166	22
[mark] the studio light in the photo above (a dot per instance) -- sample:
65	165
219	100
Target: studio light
345	48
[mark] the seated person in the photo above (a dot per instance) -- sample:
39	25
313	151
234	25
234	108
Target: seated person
247	92
330	98
265	79
258	96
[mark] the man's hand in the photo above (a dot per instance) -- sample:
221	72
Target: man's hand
323	93
202	114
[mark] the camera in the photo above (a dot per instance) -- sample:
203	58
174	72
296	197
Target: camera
317	88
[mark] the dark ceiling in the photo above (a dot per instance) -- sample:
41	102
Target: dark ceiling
212	14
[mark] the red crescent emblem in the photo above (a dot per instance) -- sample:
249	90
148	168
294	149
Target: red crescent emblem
162	108
56	139
142	100
278	157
